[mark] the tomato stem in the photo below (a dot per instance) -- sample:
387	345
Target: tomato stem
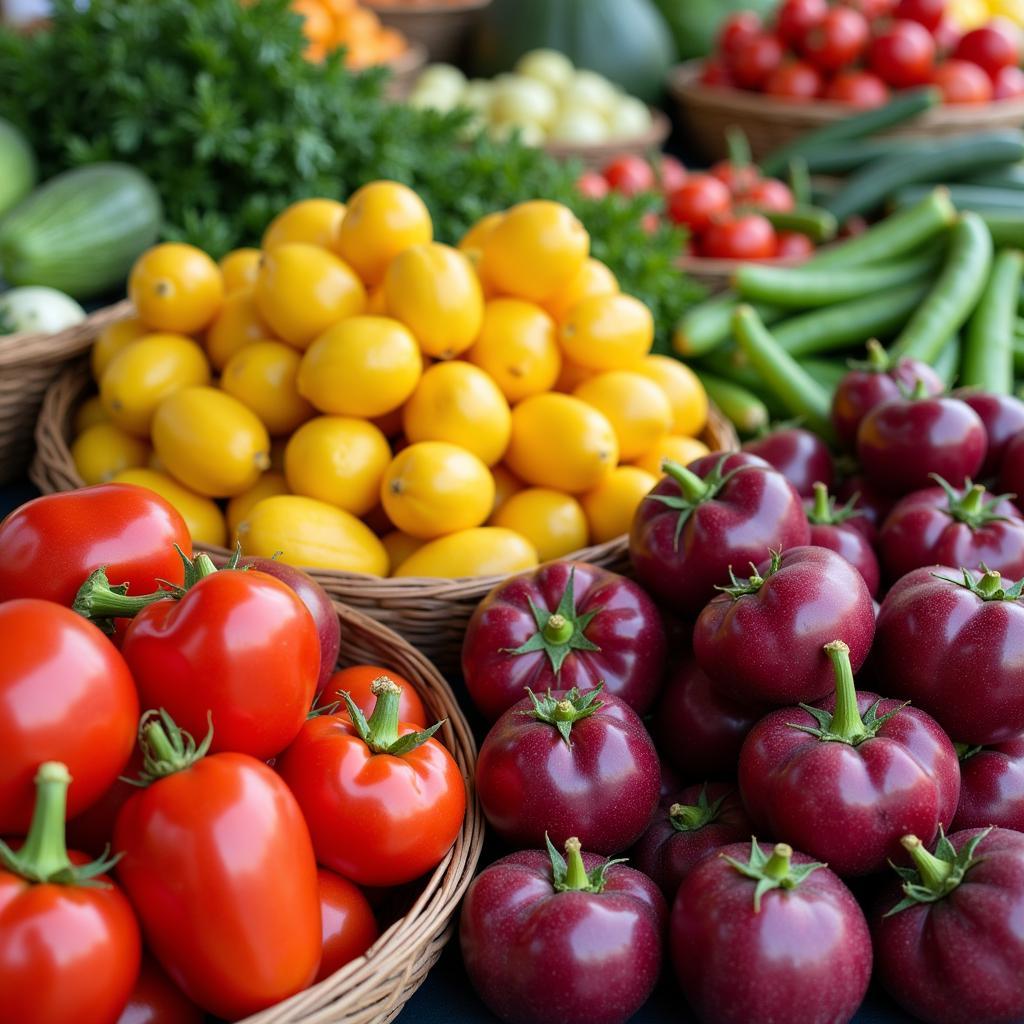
99	601
778	864
990	583
693	487
203	565
45	851
558	629
576	875
847	723
166	749
821	510
878	358
690	817
934	872
380	733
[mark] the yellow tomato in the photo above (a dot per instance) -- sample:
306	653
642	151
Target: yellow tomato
210	442
399	547
611	505
312	533
303	289
572	376
433	488
176	287
263	376
483	551
535	251
551	521
636	407
203	517
684	390
517	348
237	324
239	269
561	442
362	366
506	483
607	332
112	339
267	486
141	376
672	446
433	289
338	460
593	278
310	221
472	243
103	450
89	413
384	218
459	403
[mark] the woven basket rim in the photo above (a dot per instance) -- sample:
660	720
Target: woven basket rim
33	347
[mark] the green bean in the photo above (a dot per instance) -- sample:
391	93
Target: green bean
1007	229
744	408
1011	176
979	198
708	324
800	180
988	348
947	363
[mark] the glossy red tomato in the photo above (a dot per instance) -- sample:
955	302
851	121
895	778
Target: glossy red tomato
630	174
770	194
926	12
738	178
65	694
903	54
736	29
795	18
671	173
715	74
746	237
51	544
357	680
755	59
962	82
592	185
796	80
838	40
219	867
858	88
992	47
349	927
1008	84
156	1000
697	200
793	245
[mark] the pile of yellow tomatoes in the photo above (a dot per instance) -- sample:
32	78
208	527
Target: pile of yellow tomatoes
361	398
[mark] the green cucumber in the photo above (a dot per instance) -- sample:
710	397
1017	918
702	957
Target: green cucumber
947	362
1006	228
1000	177
847	157
988	348
819	225
744	408
708	324
980	198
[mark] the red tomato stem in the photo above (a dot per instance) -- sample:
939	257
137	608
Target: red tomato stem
693	487
166	749
691	817
847	724
576	876
558	629
380	733
934	872
100	602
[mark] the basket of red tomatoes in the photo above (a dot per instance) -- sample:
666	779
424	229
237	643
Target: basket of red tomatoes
816	61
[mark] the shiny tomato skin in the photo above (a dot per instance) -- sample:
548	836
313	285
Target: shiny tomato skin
992	47
377	819
793	245
357	680
962	82
700	198
671	173
746	237
240	645
1011	470
795	80
992	787
1008	83
349	927
852	543
799	455
155	1000
1003	419
65	695
927	12
219	867
860	89
770	194
51	544
903	54
67	952
739	179
795	18
755	59
838	40
736	29
630	175
592	185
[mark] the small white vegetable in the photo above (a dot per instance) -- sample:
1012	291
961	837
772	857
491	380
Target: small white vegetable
37	309
524	101
478	95
552	68
629	118
445	76
591	90
579	126
530	133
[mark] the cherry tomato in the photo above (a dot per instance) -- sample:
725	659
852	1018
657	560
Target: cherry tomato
65	693
800	455
796	80
629	175
738	178
962	82
357	680
1008	84
992	47
858	88
349	927
793	245
903	54
697	200
795	18
770	194
671	173
755	59
746	237
156	1000
714	73
592	185
838	40
925	12
736	29
51	544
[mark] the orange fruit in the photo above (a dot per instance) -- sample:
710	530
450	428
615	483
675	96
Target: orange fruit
318	25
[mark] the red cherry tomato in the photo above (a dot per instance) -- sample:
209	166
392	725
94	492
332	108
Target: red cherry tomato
629	175
65	694
796	80
793	245
796	18
992	47
903	54
349	927
747	237
51	544
671	174
859	89
1008	84
770	194
947	36
714	73
925	12
838	41
357	680
592	185
700	198
156	1000
755	59
736	29
738	178
962	82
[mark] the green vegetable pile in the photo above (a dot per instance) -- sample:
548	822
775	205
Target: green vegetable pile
215	102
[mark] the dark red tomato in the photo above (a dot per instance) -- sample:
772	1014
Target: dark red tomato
384	802
992	47
838	40
240	646
748	236
947	37
1008	84
569	764
65	694
795	80
948	939
69	943
522	933
156	1000
845	781
872	504
962	82
795	18
349	927
736	29
903	54
565	625
860	89
792	245
700	198
770	194
592	185
755	934
926	12
715	74
1011	472
738	178
92	830
630	174
357	681
992	786
687	827
1003	418
799	455
217	862
754	59
51	544
838	529
671	173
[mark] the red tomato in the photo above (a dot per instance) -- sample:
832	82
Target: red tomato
592	185
671	173
156	1000
858	88
697	200
376	817
747	237
962	82
349	927
357	680
838	40
796	18
65	694
240	646
218	864
51	544
736	29
629	175
69	946
796	80
715	73
1008	84
755	59
903	54
992	47
738	178
925	12
947	36
770	194
793	245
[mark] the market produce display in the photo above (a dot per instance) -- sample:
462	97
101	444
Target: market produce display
329	25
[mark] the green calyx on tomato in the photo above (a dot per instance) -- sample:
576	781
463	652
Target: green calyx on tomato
564	713
560	631
969	506
691	817
569	873
44	856
752	584
989	587
166	749
772	871
695	490
934	875
380	733
825	511
878	360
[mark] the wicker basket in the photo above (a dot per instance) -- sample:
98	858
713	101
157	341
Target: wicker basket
769	123
595	156
430	613
442	28
29	363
